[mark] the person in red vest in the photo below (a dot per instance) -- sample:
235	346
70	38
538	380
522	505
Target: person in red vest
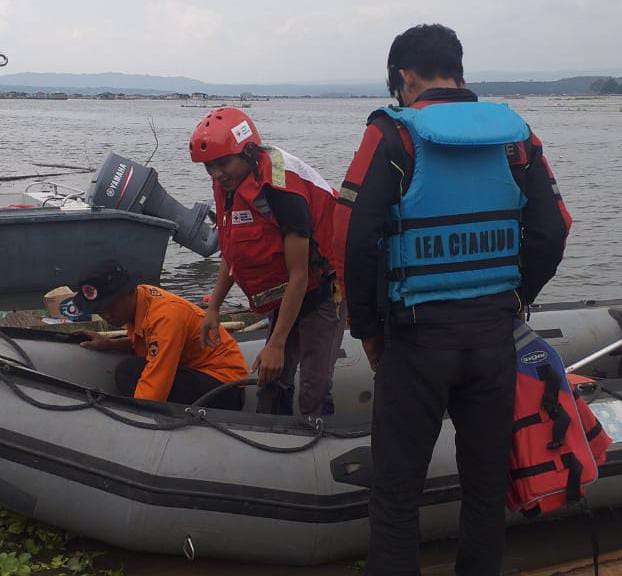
275	229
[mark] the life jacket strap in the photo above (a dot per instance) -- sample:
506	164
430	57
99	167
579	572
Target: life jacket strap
395	149
526	421
397	274
569	461
550	403
398	226
595	431
573	486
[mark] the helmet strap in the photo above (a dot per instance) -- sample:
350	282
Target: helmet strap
251	155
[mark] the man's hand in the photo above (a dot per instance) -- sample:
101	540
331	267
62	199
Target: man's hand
95	341
270	363
210	334
374	347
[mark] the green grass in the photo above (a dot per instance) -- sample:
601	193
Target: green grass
30	547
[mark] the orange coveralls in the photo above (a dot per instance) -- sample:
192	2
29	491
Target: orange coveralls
166	332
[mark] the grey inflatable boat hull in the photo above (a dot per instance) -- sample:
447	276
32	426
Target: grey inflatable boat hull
156	490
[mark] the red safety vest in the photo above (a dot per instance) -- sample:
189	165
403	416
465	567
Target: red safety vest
557	441
250	237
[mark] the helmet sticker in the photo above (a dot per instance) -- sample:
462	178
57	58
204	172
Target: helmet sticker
241	132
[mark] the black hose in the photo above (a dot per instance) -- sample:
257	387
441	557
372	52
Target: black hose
317	424
192	416
319	432
204	400
18	349
42	405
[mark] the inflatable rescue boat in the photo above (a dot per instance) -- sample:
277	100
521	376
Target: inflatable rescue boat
174	479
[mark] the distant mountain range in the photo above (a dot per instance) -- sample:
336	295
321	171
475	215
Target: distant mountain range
143	84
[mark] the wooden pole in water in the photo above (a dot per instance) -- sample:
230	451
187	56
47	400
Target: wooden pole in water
121	333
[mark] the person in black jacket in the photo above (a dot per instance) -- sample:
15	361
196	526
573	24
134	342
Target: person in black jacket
443	349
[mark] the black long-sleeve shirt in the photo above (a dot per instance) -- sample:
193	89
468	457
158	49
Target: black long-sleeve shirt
373	183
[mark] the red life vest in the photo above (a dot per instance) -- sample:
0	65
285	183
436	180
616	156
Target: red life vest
250	237
557	441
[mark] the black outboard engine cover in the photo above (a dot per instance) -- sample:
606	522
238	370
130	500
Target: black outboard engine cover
123	184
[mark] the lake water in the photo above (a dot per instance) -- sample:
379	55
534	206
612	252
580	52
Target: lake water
582	139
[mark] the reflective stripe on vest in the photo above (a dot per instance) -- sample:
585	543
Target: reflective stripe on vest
455	233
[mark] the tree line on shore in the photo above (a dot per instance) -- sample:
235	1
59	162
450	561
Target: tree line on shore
607	86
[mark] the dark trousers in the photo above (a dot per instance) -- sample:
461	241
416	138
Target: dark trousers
313	344
414	387
188	386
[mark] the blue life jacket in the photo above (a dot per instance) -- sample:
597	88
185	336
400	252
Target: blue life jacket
455	234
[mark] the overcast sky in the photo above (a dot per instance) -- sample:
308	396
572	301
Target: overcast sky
298	40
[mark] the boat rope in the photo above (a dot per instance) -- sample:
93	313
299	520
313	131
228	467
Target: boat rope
319	432
93	398
192	415
26	359
315	423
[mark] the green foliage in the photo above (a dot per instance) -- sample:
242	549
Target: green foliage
28	547
12	564
606	86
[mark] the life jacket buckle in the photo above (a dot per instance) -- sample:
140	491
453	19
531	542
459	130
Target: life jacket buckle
554	445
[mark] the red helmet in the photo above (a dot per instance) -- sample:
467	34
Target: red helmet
222	132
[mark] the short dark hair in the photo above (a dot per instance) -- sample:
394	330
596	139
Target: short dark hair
430	50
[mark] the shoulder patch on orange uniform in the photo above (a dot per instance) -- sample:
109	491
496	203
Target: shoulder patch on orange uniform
153	348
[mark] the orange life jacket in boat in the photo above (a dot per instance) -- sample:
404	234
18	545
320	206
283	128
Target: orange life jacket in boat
250	237
557	441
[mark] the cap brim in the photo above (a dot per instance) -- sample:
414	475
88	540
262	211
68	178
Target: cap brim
99	304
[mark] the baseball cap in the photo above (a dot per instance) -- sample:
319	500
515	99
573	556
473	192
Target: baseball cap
104	285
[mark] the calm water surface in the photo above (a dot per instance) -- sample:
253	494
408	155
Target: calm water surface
582	139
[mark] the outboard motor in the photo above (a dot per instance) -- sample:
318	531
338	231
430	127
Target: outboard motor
123	184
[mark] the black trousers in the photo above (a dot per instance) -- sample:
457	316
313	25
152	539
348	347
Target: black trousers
188	386
414	387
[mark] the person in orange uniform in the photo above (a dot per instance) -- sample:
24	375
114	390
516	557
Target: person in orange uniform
164	333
